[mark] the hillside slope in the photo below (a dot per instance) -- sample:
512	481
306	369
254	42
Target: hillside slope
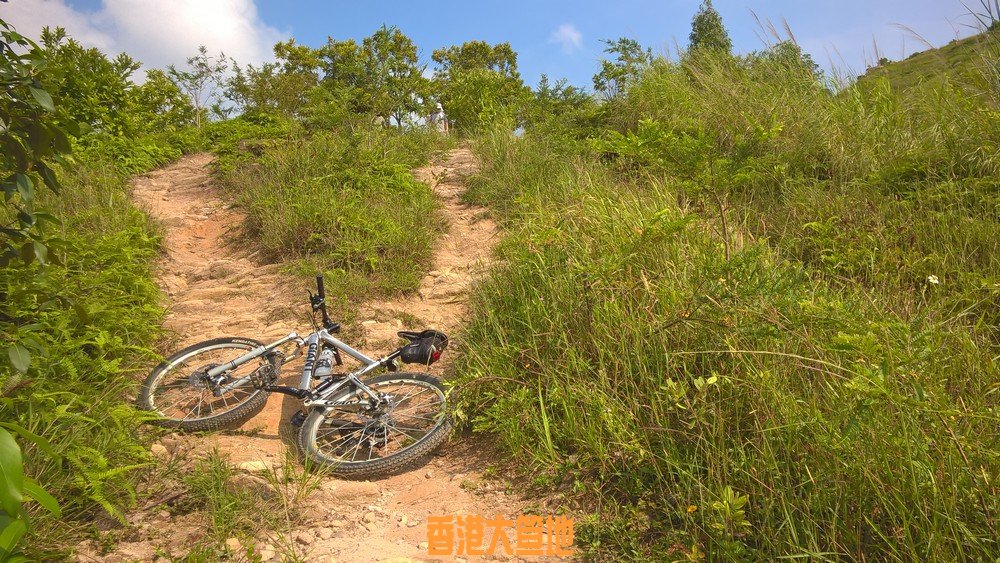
957	58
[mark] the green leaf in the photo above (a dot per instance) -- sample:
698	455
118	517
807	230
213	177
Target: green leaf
11	475
39	139
47	217
11	535
30	436
25	186
43	98
60	141
48	176
48	502
41	252
28	253
19	356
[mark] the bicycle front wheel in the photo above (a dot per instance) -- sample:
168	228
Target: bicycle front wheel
362	438
180	391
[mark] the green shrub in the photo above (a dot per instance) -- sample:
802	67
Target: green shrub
239	141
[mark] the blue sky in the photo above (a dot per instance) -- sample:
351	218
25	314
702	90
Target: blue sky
823	28
560	38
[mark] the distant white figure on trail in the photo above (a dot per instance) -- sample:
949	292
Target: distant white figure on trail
438	120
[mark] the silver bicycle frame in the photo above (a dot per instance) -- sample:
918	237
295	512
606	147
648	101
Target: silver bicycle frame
313	346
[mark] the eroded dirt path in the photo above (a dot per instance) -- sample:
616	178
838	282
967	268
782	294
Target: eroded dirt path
216	289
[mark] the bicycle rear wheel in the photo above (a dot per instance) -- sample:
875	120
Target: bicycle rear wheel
361	439
179	390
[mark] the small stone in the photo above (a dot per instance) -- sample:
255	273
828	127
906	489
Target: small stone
369	323
402	520
413	524
305	538
267	554
325	533
171	442
338	523
163	514
422	545
254	466
159	450
429	474
233	545
371	527
369	517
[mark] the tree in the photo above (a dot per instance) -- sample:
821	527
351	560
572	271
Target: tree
201	81
380	77
161	104
31	135
89	87
707	31
479	84
556	100
471	55
393	84
479	98
280	86
615	75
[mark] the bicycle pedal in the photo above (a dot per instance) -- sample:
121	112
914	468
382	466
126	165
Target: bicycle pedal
298	419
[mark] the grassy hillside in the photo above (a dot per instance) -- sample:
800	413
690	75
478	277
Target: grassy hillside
752	319
958	59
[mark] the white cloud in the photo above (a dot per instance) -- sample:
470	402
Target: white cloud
156	32
30	16
568	36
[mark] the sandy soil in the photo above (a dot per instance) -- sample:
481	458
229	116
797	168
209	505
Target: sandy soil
216	289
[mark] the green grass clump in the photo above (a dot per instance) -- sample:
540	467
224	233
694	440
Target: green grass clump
347	204
90	318
755	319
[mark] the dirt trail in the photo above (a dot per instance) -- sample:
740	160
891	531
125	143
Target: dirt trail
217	289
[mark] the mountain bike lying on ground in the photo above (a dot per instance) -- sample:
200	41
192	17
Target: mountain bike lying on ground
358	428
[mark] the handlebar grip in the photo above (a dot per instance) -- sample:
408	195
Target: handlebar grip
319	285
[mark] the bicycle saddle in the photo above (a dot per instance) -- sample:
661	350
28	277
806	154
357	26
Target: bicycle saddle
412	335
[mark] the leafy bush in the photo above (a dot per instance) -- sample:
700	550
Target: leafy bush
79	313
94	321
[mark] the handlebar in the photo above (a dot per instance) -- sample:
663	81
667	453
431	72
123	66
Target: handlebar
318	303
319	286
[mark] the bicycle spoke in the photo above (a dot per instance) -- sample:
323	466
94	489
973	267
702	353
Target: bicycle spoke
413	394
414	411
182	389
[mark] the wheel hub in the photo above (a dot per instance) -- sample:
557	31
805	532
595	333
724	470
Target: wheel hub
199	378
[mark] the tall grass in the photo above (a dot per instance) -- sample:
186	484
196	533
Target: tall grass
723	320
93	310
345	203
